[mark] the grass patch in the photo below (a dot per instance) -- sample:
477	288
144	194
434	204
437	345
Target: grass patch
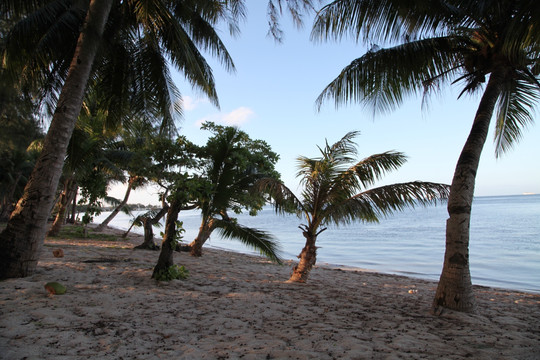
77	232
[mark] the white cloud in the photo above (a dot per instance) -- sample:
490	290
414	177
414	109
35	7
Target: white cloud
189	103
236	117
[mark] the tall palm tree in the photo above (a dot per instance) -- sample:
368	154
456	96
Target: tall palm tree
233	163
445	42
22	238
336	191
179	28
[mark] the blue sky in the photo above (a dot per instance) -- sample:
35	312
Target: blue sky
272	97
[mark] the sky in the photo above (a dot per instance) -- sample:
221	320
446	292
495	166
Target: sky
272	94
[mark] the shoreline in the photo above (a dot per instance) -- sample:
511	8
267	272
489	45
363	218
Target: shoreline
235	305
415	275
416	249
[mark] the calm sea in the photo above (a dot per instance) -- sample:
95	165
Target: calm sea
504	245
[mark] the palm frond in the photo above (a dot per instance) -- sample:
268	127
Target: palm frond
126	209
158	89
376	81
202	30
39	47
388	199
383	20
182	50
374	167
257	239
343	149
296	9
18	8
283	199
515	111
112	200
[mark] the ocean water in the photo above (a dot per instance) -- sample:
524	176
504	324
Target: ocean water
504	241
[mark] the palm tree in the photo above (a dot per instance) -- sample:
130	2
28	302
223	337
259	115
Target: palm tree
22	238
90	147
148	220
445	42
336	192
233	163
175	163
136	141
178	29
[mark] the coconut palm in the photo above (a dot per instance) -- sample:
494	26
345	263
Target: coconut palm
232	164
178	29
336	191
90	147
441	43
136	141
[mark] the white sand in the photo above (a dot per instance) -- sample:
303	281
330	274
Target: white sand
235	306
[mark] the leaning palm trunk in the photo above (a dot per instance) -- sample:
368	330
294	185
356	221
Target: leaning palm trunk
71	218
168	245
123	203
21	241
455	287
205	230
66	198
148	223
307	257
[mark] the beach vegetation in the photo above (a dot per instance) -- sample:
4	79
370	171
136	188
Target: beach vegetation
173	272
176	162
148	220
487	47
136	141
231	163
65	52
336	190
93	161
77	231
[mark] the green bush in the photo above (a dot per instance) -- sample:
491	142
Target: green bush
173	272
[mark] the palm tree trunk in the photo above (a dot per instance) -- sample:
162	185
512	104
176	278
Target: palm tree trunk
22	239
205	230
131	183
65	199
148	223
307	257
71	218
454	290
166	259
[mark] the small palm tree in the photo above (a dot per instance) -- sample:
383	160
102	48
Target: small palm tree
336	192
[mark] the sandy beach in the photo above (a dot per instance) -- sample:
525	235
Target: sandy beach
236	306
